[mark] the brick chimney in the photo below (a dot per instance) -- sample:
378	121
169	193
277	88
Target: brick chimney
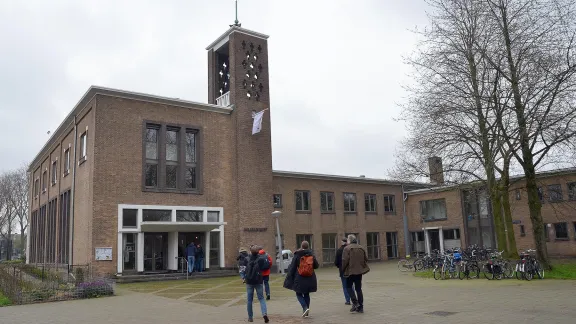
436	170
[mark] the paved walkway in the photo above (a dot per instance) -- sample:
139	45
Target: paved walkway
390	297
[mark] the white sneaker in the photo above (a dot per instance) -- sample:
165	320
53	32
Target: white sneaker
306	313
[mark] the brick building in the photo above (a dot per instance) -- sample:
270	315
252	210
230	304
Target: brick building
129	179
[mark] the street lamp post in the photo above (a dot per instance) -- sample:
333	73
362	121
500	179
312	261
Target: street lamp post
276	214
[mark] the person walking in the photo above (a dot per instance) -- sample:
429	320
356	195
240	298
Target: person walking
355	265
301	277
266	273
338	263
242	263
191	255
254	281
199	258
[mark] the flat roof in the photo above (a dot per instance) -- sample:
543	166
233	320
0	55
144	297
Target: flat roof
317	176
239	30
117	93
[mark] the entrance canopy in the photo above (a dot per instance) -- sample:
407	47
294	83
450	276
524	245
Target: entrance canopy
179	226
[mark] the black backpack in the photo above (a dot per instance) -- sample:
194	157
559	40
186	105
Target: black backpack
253	272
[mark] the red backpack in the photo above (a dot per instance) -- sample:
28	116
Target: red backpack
306	266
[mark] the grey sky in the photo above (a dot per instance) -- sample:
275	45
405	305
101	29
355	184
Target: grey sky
336	69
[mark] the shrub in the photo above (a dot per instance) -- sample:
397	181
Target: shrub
95	289
79	275
40	294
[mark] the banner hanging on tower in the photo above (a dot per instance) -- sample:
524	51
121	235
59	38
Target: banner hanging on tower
257	125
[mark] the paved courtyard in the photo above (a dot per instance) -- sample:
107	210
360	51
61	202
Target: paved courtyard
390	297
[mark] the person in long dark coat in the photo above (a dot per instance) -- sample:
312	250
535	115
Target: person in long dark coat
302	285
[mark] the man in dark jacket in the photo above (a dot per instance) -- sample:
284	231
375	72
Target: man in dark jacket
355	264
191	255
254	281
338	263
199	258
301	278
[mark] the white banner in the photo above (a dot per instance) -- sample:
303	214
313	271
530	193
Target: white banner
257	125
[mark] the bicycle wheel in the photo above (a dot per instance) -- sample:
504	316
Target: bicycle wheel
508	270
473	271
464	273
539	270
437	274
418	265
487	273
443	272
403	265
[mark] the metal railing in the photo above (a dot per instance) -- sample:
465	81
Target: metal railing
223	100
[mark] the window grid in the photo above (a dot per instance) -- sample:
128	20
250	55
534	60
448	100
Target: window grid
349	202
370	203
302	200
277	200
561	231
327	202
389	204
373	245
329	248
304	237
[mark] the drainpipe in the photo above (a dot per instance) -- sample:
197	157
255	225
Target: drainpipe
406	232
71	243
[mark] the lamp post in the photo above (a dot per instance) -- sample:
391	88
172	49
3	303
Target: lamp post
276	214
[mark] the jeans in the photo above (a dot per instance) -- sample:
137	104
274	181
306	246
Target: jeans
191	263
267	284
199	264
356	281
304	300
346	294
250	296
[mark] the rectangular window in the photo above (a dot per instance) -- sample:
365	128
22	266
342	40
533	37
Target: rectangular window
215	249
42	235
54	172
152	215
66	161
561	230
151	177
36	187
64	229
418	244
277	200
189	215
518	194
302	200
329	248
83	146
171	142
541	194
373	246
370	202
389	204
327	202
572	191
129	218
392	244
191	181
51	231
44	181
522	230
451	234
433	209
555	193
213	216
304	237
349	202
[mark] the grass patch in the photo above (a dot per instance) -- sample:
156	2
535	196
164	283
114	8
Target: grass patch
424	274
562	271
4	301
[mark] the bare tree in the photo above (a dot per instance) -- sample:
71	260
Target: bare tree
7	213
18	198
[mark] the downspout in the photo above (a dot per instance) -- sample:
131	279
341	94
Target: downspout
71	243
406	232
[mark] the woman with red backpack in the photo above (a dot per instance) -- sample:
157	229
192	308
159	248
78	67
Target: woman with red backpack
301	276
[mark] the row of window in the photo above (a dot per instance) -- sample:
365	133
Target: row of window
129	216
54	167
327	202
553	192
560	231
331	243
170	158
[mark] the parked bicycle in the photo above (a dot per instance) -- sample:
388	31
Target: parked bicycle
497	268
528	266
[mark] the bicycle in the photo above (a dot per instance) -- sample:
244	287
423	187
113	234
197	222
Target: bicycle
528	266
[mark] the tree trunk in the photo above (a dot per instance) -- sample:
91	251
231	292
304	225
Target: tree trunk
512	249
496	204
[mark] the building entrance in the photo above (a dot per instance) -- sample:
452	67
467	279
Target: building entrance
434	235
184	239
155	251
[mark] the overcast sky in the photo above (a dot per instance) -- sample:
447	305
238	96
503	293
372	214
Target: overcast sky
336	69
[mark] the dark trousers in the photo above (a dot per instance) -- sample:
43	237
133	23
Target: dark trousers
357	298
304	300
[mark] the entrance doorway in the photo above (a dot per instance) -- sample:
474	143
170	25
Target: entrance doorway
184	239
129	254
155	251
434	235
392	245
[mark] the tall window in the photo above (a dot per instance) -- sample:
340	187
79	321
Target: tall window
561	230
328	248
373	245
66	161
190	171
151	177
304	237
33	236
171	158
277	200
433	209
51	231
349	202
83	146
64	227
572	191
327	202
302	200
389	204
41	234
36	187
555	192
54	173
370	202
44	181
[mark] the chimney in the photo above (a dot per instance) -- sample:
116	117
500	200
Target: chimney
362	176
436	170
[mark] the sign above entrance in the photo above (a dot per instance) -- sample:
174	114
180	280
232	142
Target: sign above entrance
104	254
255	229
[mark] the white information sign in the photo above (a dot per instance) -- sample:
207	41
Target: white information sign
103	254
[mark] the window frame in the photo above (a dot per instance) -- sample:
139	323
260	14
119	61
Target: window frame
296	192
555	195
376	247
427	218
279	204
66	164
182	164
368	198
328	194
44	182
556	232
54	173
392	200
571	186
333	238
83	147
355	202
455	231
310	240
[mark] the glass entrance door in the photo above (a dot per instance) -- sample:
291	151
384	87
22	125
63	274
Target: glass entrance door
155	251
129	253
392	245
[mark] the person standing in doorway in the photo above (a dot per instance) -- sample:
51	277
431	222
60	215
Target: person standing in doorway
301	276
199	258
191	255
254	281
266	272
355	265
338	263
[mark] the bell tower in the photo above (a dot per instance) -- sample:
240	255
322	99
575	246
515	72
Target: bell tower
238	78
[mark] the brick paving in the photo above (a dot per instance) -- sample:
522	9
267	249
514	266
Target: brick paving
390	297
